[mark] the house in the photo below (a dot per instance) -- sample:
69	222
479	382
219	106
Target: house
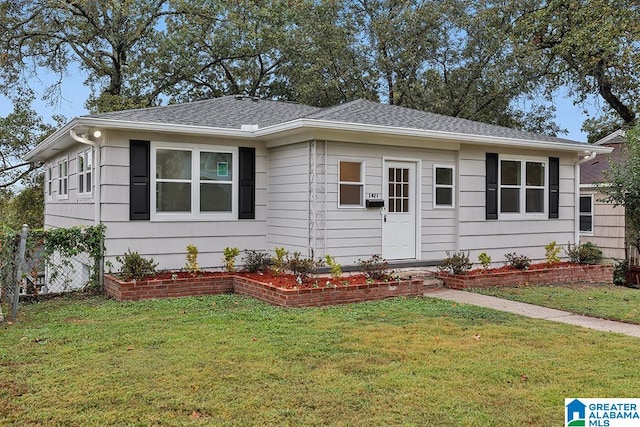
350	181
576	410
601	223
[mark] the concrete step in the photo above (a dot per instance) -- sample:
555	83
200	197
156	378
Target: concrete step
432	283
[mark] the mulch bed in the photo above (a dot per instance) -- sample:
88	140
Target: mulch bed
507	268
283	280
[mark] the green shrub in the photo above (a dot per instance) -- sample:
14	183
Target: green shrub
336	268
279	260
456	263
255	261
229	258
135	267
620	269
301	267
551	252
520	262
485	260
586	253
192	265
375	268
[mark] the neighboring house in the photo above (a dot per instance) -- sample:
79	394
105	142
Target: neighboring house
600	222
350	181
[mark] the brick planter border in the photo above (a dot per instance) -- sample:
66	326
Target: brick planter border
566	274
308	297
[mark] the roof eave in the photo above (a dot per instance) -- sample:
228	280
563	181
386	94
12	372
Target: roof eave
272	132
166	127
61	135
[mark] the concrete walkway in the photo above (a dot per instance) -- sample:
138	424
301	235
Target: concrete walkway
534	311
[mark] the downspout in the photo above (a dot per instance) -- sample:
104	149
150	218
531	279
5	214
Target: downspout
576	179
97	179
83	139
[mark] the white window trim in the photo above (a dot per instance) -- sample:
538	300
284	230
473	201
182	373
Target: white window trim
50	180
586	233
195	214
82	174
63	181
452	186
363	169
523	214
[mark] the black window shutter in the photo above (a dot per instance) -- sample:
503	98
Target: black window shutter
491	192
247	188
554	187
139	178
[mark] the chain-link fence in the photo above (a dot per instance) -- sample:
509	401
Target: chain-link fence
27	271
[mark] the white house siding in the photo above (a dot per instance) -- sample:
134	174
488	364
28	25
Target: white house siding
502	236
349	233
608	227
288	195
71	210
166	241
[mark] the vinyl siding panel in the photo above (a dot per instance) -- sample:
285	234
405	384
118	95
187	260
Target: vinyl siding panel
350	234
608	227
75	209
356	233
505	235
166	241
288	198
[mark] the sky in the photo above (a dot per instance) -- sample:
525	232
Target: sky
74	94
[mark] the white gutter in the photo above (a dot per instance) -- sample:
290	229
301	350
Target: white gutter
298	125
576	228
273	131
96	178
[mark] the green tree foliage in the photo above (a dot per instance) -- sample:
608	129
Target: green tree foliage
489	60
26	207
622	186
109	39
20	131
589	46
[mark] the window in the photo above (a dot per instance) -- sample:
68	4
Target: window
85	171
443	186
351	184
194	182
522	186
586	214
49	179
398	196
63	179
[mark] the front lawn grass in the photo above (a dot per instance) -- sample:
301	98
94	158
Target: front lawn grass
606	301
232	360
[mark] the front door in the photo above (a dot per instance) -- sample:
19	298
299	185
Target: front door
399	218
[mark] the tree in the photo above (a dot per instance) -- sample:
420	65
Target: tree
589	46
452	57
108	38
27	207
20	131
235	49
327	65
622	185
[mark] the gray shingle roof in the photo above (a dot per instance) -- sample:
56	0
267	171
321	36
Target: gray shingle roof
226	112
230	112
373	113
593	172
